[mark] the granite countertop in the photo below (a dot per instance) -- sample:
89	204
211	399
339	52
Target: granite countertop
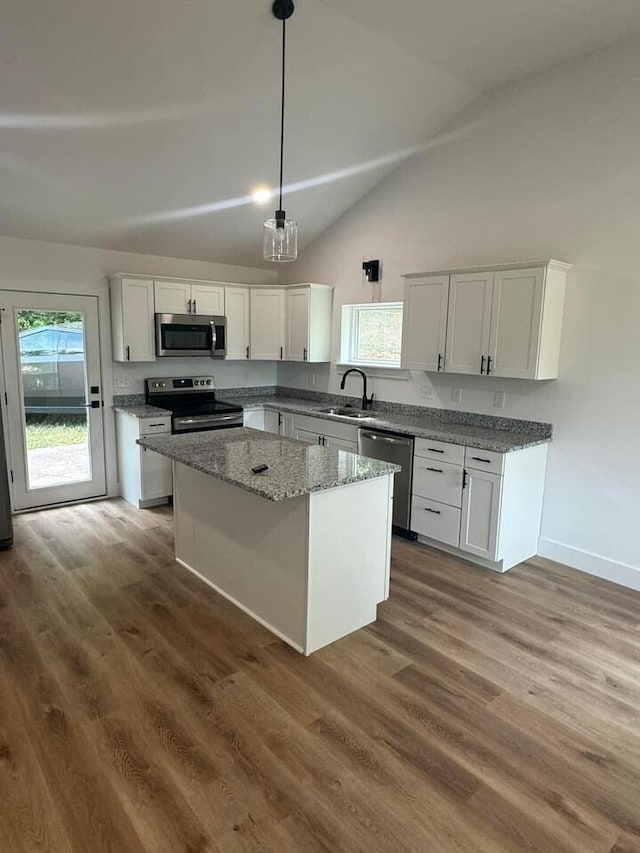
142	410
295	468
504	440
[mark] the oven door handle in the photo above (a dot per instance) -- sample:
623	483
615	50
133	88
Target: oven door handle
212	420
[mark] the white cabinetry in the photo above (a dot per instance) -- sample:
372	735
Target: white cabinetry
145	477
327	433
269	420
479	504
132	326
308	323
503	321
424	322
184	297
237	311
267	323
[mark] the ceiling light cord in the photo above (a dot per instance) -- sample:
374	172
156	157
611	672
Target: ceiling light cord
284	42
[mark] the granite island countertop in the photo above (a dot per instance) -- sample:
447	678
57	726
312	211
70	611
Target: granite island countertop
295	468
514	435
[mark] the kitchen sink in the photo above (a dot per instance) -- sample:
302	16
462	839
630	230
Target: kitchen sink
345	412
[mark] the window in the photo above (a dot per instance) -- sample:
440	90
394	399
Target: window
372	334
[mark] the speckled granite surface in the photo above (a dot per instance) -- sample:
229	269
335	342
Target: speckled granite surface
502	435
295	468
141	410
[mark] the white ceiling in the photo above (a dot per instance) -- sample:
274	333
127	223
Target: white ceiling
132	124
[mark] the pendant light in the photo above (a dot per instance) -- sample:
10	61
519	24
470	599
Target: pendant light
280	243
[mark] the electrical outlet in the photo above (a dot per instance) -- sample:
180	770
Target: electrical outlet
120	381
456	395
498	399
426	391
311	379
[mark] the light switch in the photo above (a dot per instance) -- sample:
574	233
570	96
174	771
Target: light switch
456	395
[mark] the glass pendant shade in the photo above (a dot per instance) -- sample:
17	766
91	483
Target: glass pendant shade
280	241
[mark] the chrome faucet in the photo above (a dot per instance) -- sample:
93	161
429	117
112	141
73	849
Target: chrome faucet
367	402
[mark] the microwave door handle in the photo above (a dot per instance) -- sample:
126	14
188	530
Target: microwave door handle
213	337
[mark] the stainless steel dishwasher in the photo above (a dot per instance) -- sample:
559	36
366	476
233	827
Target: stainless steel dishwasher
393	447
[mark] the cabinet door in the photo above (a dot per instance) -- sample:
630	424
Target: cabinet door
515	323
469	322
137	320
305	435
272	421
207	299
286	424
424	323
253	418
155	475
481	514
297	338
172	297
267	324
237	313
341	444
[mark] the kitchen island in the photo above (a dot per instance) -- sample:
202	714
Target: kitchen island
304	547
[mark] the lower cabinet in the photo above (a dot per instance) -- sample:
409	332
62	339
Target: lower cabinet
145	477
280	423
484	505
327	433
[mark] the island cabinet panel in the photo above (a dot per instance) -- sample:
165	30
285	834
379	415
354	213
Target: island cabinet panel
251	550
311	569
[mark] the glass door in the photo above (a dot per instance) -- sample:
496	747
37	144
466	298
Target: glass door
53	400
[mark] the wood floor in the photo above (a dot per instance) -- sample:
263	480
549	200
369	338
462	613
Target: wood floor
141	712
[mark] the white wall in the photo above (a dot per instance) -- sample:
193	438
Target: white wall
545	168
37	266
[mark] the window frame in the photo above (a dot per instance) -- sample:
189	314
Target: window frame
351	314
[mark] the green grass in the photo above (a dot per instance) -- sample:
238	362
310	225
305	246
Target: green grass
55	430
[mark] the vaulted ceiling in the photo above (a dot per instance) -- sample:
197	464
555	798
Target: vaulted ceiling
143	125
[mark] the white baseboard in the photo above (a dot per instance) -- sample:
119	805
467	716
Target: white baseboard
592	564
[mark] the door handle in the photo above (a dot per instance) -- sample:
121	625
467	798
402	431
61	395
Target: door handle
482	361
480	459
195	310
304	354
436	470
489	359
280	353
434	511
213	335
464	478
439	362
128	353
247	352
188	306
434	450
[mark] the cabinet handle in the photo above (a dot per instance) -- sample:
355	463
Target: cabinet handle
439	362
247	352
489	365
304	354
434	511
128	353
464	478
434	450
195	310
188	306
436	470
482	361
280	353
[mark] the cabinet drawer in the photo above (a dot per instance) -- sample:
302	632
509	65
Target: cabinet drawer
435	520
438	481
321	426
484	460
150	426
440	450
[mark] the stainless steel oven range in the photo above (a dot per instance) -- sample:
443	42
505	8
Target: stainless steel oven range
192	403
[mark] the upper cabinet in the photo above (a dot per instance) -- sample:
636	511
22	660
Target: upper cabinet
469	322
132	327
424	322
184	297
237	307
308	310
267	323
505	321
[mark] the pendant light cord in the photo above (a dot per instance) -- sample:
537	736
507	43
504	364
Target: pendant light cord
284	42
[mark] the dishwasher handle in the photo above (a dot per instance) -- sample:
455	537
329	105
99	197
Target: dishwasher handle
387	439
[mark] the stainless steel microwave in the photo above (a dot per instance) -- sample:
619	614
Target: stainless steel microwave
188	335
